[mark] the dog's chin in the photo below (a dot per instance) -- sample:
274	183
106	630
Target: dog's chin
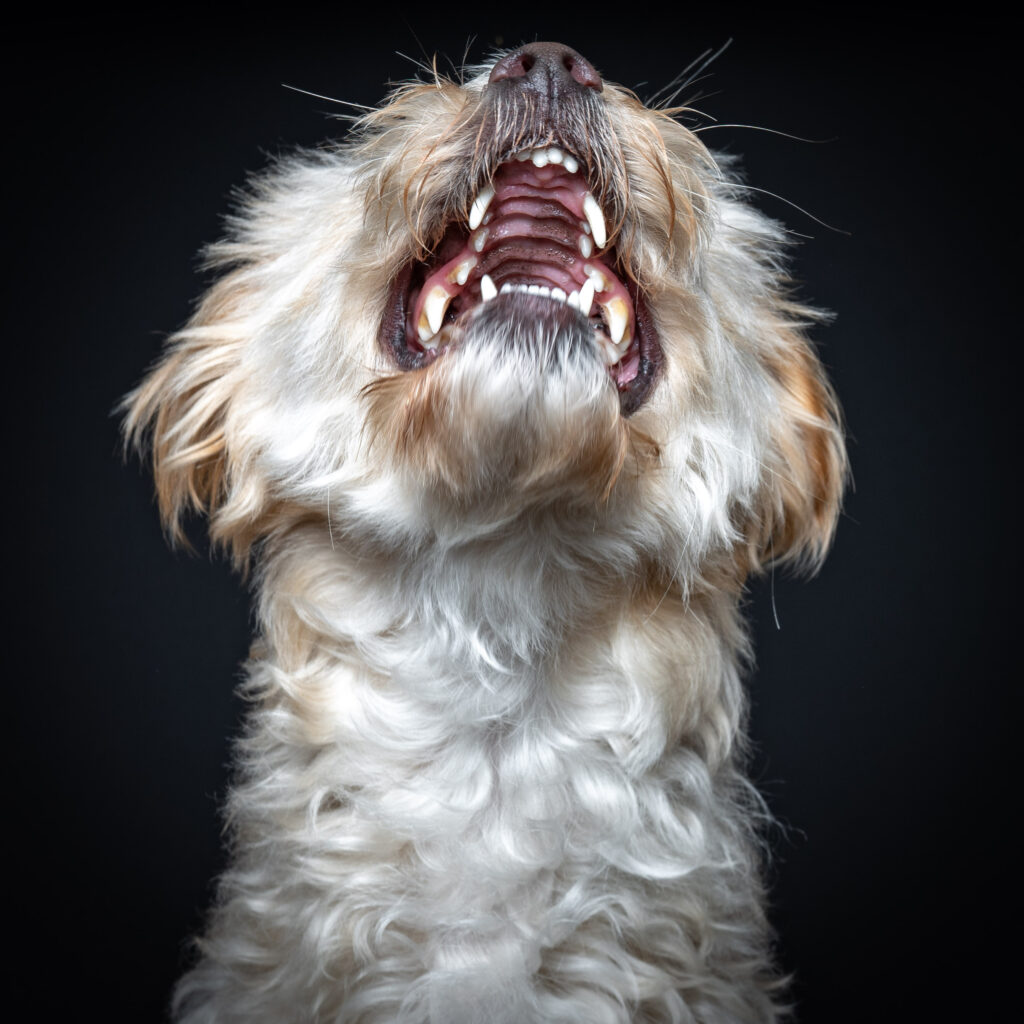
514	407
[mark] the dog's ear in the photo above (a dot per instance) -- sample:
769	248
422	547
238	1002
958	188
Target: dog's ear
180	414
805	472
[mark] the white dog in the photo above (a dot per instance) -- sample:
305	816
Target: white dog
503	399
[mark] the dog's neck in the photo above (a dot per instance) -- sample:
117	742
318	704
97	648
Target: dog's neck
495	630
491	610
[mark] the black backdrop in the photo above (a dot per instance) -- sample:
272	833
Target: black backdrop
881	708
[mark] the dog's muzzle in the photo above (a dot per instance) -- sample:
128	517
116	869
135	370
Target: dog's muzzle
536	240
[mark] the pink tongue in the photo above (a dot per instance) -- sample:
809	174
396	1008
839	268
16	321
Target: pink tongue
534	225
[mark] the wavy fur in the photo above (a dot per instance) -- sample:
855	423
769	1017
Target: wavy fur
493	763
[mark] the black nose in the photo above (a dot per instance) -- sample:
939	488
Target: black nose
550	69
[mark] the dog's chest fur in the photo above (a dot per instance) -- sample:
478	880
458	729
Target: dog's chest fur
501	403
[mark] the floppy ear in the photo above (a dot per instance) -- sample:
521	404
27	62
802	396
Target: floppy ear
795	516
180	412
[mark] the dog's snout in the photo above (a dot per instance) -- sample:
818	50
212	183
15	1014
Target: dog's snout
550	69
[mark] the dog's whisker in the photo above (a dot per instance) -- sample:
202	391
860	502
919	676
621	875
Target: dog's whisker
688	76
788	202
329	99
769	131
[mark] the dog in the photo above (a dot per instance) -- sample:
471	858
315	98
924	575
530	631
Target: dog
501	402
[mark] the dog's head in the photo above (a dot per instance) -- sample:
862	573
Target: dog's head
526	293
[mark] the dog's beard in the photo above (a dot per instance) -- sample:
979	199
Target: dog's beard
520	406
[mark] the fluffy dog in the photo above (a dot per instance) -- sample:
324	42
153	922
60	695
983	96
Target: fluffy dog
503	400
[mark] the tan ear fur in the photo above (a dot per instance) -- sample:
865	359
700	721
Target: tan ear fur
179	415
795	519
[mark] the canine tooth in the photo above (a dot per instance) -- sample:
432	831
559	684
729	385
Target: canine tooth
540	158
480	239
574	300
488	289
460	274
434	309
618	318
586	297
480	204
557	293
596	220
609	353
570	163
555	155
586	246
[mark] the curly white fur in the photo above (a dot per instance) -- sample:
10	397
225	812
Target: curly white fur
492	769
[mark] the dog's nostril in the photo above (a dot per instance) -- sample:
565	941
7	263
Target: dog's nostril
582	71
548	68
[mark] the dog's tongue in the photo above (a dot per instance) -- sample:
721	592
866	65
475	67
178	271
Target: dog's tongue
535	231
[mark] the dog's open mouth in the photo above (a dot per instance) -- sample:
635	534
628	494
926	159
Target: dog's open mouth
536	241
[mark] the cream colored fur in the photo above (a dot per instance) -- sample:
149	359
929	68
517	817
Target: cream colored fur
493	764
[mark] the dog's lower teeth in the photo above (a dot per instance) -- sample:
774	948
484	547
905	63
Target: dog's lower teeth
586	297
434	308
617	315
460	275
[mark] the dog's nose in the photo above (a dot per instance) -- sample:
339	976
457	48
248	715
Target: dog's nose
550	69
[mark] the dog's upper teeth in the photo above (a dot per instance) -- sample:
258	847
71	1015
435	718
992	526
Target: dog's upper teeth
480	239
586	246
488	289
541	156
595	218
480	204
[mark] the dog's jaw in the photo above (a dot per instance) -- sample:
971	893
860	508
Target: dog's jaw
536	236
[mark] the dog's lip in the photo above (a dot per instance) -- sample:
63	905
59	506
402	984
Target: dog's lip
534	225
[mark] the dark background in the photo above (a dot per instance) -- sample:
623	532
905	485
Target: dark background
881	709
